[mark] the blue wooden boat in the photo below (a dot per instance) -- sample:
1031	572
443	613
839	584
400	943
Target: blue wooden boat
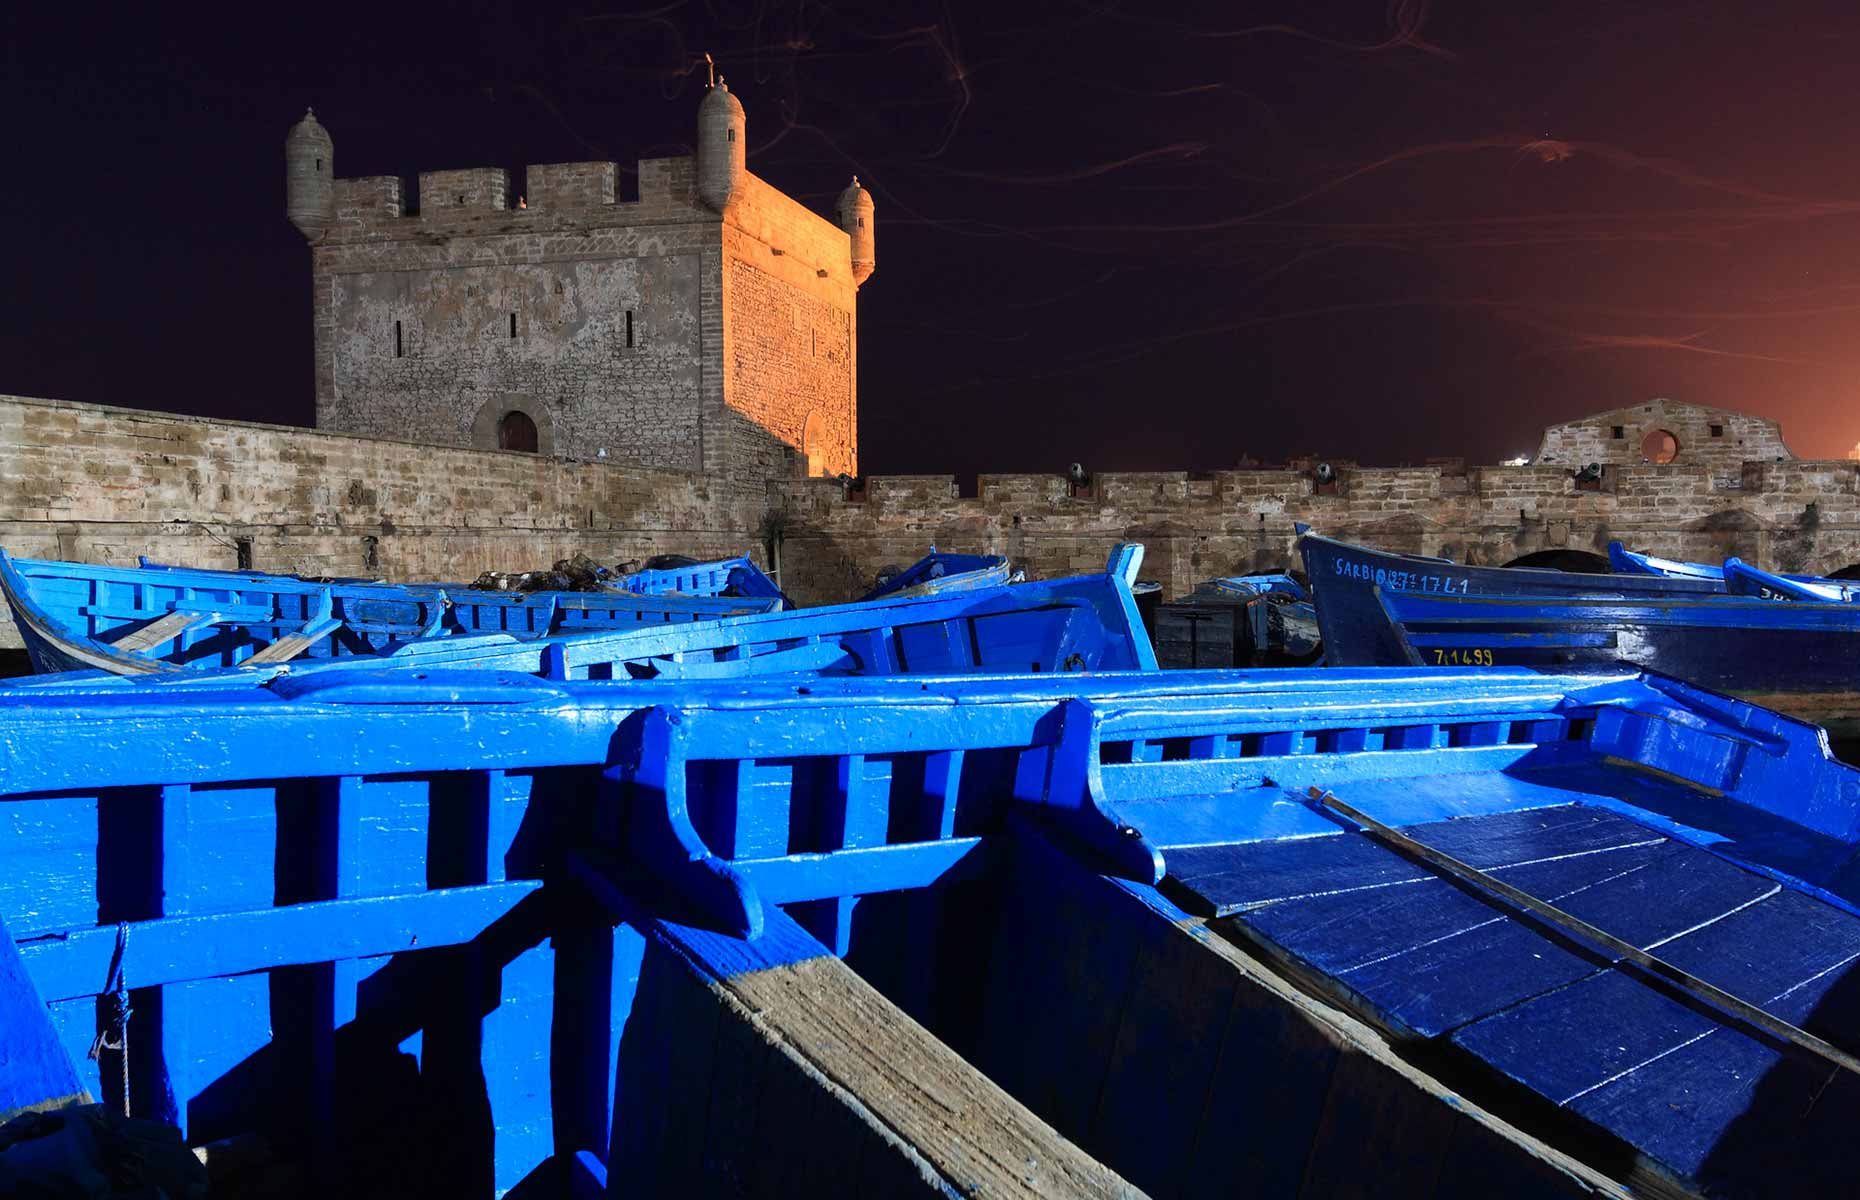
939	572
1800	659
1062	935
1085	623
150	564
732	578
1742	579
1629	562
1345	581
1739	578
1248	586
723	577
128	620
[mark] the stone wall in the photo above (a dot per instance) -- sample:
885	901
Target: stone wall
789	336
106	484
100	484
655	330
1794	515
581	311
1712	437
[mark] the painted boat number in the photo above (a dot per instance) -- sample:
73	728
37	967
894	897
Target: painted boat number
1479	657
1402	581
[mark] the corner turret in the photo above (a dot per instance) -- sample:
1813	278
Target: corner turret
855	212
309	177
722	139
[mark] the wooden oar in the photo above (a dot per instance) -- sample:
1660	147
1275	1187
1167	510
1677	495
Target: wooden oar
1684	981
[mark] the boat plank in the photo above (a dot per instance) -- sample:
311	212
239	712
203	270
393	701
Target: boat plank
1371	1142
1058	1063
38	1073
74	963
925	1100
1248	1131
1246	875
1387	947
163	629
1162	1063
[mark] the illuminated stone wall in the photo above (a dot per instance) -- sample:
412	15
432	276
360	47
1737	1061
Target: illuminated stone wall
650	332
1793	515
99	484
106	484
1715	438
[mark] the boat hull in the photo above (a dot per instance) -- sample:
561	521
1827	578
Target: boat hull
1344	581
77	616
1054	626
1799	659
940	573
722	577
404	936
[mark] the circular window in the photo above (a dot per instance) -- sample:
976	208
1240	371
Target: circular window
1659	446
515	431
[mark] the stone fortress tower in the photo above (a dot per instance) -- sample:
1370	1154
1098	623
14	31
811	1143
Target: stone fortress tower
708	325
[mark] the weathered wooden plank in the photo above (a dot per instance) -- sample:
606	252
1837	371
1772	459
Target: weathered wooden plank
897	1091
292	644
1707	1099
163	629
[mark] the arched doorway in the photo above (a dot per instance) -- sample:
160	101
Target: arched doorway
515	431
1565	560
813	444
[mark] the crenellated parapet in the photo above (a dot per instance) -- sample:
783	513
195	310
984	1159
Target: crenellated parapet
573	187
483	201
1796	514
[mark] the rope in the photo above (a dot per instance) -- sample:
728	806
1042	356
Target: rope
114	1035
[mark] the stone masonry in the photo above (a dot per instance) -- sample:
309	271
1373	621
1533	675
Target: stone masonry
104	484
99	484
1771	509
704	336
1714	438
659	332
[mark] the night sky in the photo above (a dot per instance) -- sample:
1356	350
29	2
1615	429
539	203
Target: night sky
1133	240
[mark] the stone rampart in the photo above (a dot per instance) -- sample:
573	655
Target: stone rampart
1795	515
106	484
100	484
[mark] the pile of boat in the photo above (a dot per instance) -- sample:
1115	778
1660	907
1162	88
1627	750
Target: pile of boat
1787	642
673	888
